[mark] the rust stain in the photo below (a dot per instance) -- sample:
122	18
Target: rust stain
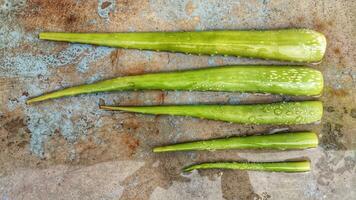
100	148
339	92
131	142
336	51
131	123
88	146
105	4
63	15
14	139
134	100
13	126
104	146
322	25
71	19
57	149
300	19
128	8
136	70
161	97
25	93
297	22
114	56
133	70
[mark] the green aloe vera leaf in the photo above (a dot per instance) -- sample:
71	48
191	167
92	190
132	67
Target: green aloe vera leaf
291	166
281	141
301	45
289	80
275	113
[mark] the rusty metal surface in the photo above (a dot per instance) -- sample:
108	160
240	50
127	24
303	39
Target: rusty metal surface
68	149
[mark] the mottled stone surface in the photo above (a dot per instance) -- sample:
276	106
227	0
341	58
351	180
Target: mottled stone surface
68	149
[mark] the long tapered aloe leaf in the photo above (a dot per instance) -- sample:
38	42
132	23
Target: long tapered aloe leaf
282	141
275	113
291	80
292	166
299	45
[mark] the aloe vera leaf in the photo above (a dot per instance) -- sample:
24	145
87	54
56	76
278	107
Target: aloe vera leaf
290	80
281	141
292	166
301	45
276	113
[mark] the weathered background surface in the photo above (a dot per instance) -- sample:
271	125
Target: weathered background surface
68	149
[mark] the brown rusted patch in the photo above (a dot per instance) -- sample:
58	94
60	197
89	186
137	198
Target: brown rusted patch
14	125
131	142
336	51
63	15
86	150
105	4
103	146
129	8
14	139
339	92
131	123
22	144
321	24
300	19
69	69
114	56
57	149
136	70
25	93
90	151
71	19
161	97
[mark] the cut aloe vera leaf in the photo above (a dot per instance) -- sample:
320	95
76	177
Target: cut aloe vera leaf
301	45
275	113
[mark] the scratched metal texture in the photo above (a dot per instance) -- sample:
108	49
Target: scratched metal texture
68	149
